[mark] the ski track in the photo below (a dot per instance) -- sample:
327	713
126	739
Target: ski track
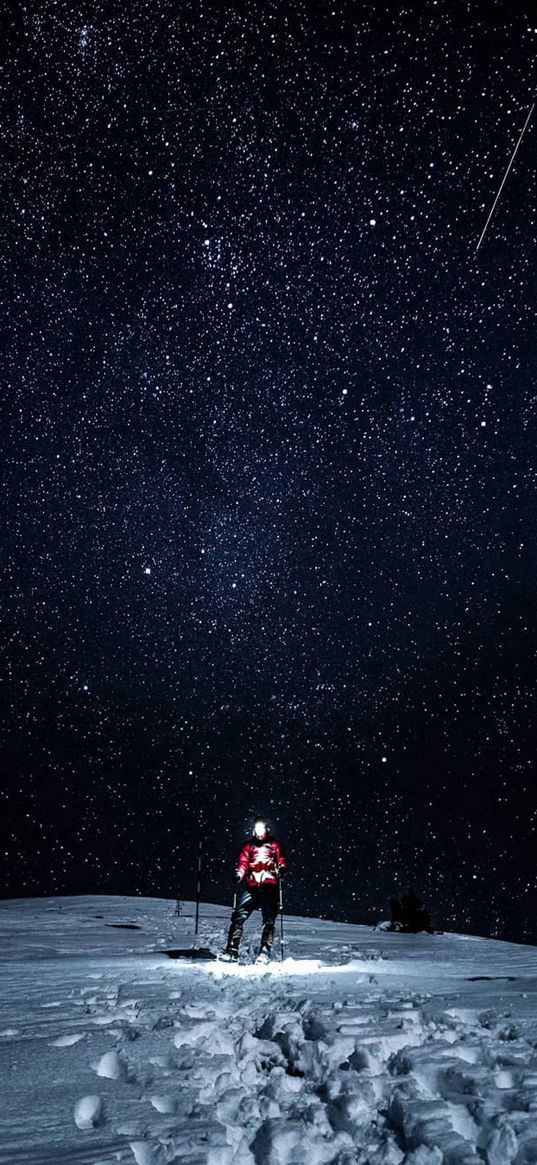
223	1066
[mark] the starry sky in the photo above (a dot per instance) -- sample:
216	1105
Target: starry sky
268	464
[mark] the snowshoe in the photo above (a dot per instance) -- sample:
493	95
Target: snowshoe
263	956
229	956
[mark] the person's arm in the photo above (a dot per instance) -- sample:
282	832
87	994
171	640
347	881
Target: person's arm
243	862
281	860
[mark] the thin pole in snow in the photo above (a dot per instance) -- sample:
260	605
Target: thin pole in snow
281	915
198	887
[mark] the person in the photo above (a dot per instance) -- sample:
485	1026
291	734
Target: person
396	911
261	863
415	914
409	914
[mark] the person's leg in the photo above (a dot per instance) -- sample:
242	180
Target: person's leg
243	909
269	910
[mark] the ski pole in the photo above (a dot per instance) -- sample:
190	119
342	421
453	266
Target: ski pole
198	888
280	906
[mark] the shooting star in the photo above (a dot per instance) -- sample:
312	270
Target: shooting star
511	160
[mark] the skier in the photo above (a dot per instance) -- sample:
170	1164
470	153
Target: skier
261	863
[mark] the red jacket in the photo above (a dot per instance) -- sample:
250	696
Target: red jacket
259	862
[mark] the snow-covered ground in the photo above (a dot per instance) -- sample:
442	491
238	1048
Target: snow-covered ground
362	1046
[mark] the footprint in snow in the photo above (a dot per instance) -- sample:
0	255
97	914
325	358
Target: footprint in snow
198	1010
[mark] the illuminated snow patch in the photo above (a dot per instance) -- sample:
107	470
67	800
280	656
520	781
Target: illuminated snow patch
285	968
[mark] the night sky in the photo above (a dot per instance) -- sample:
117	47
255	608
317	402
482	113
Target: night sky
269	451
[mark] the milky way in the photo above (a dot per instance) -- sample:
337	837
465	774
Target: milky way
269	457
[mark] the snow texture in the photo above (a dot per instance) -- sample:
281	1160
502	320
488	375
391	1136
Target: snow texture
360	1047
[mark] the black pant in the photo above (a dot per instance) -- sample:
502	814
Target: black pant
251	898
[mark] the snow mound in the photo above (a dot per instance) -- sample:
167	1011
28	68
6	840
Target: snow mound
88	1112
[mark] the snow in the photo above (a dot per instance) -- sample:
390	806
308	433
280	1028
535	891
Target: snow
88	1112
360	1046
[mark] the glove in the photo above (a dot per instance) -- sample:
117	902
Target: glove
281	871
237	877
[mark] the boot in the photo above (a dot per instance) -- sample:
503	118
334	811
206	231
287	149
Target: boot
267	937
264	955
230	955
234	935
